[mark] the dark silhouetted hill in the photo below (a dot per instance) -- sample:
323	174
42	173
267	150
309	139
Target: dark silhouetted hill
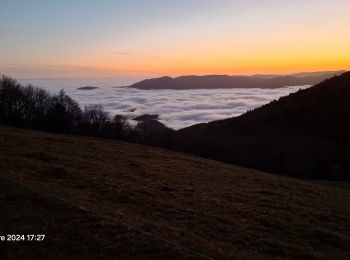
225	81
146	117
305	134
88	88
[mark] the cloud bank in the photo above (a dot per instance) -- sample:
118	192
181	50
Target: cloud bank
176	108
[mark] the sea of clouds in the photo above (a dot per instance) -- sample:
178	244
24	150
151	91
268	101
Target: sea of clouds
176	108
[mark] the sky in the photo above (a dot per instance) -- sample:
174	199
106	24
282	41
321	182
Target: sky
94	38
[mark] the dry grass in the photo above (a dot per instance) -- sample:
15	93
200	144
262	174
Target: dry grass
220	210
71	232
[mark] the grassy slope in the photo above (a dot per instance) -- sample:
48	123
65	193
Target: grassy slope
71	232
211	207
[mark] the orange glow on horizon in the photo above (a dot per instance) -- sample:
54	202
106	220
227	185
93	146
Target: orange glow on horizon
174	38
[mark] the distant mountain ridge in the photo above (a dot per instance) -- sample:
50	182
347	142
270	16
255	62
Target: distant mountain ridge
225	81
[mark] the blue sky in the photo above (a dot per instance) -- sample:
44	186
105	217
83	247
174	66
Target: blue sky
106	38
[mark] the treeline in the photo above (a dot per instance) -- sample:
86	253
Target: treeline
33	107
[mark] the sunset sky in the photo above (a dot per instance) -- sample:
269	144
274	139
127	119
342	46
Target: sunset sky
94	38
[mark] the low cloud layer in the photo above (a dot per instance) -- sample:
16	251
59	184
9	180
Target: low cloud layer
176	108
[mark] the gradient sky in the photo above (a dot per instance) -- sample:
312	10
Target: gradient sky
95	38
